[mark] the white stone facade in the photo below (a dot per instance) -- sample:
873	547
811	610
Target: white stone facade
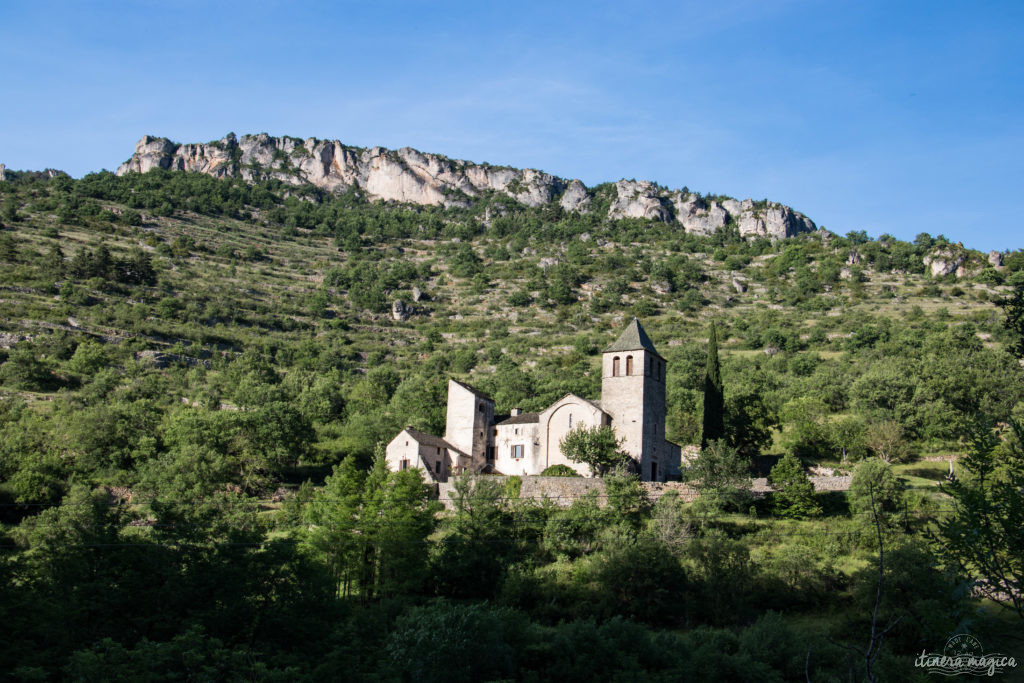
632	403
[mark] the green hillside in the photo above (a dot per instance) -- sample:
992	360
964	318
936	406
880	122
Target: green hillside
199	348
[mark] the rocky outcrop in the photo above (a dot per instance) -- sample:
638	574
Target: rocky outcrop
3	172
399	310
995	258
409	176
766	219
576	198
639	199
946	262
697	215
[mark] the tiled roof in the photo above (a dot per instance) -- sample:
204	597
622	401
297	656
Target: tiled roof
429	439
633	338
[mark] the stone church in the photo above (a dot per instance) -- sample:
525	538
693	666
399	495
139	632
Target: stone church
476	441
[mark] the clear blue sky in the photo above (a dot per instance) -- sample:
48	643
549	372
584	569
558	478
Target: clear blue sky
896	117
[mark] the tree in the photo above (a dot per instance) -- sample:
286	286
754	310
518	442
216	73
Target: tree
749	420
805	435
24	370
1014	307
721	475
332	515
89	358
794	492
984	536
885	439
847	434
876	494
594	446
714	396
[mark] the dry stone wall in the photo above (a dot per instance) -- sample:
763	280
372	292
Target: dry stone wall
564	490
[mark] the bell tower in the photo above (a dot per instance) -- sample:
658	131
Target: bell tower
633	393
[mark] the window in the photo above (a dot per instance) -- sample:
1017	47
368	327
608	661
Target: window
517	452
404	465
481	407
615	366
570	420
517	431
490	452
439	450
654	471
629	365
406	443
437	467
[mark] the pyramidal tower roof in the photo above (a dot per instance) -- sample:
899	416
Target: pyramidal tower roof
633	338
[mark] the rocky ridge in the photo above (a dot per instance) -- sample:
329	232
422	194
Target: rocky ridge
409	176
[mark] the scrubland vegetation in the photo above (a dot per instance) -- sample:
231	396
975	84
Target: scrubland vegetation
197	375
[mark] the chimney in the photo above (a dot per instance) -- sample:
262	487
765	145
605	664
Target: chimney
516	411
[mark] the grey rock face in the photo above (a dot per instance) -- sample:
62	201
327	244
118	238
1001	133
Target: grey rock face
417	294
576	198
662	286
3	173
399	311
773	220
995	258
409	176
698	216
639	199
944	262
405	175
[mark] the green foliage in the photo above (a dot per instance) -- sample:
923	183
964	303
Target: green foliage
23	369
876	492
721	474
983	538
793	492
247	346
597	447
451	642
88	359
714	396
1014	323
559	471
806	435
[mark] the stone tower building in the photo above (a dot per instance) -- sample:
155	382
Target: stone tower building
633	393
468	421
632	404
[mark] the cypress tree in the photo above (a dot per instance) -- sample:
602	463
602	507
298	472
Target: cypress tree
714	397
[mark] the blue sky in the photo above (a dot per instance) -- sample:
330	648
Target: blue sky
900	117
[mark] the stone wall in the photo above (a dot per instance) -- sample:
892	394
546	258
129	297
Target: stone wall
564	490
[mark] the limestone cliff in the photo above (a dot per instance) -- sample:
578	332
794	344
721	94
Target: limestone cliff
413	177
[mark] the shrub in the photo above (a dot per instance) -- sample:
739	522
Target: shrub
559	471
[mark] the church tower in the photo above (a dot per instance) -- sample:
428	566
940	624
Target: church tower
633	393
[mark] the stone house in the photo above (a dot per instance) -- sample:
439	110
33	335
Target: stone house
633	376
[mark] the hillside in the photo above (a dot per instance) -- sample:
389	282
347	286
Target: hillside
184	358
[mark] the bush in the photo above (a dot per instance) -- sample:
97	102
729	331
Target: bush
559	471
876	486
449	642
794	492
